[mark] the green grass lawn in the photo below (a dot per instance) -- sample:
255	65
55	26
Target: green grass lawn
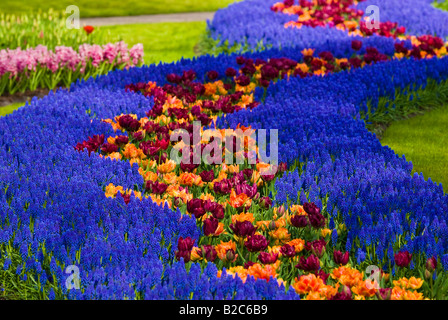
162	42
441	4
424	141
10	108
107	8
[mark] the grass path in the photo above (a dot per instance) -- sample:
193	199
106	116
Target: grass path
10	108
113	8
162	42
424	141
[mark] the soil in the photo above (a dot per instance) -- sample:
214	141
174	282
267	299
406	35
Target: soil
22	96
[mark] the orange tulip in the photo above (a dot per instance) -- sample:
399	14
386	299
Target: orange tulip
411	283
281	235
364	289
222	249
111	190
238	201
308	283
243	217
262	272
298	244
167	166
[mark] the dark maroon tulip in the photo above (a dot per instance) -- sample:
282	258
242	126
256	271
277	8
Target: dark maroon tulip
212	75
138	136
243	80
198	89
126	197
183	254
80	147
210	225
355	62
384	294
416	53
400	48
356	45
173	78
268	72
344	65
184	247
205	119
188	167
156	187
264	83
268	177
330	67
209	205
93	143
317	247
288	3
195	110
248	69
121	140
222	187
282	167
323	275
267	257
248	264
129	123
207	176
345	294
265	202
196	207
240	60
227	86
216	209
188	76
288	251
311	208
431	264
299	221
256	243
148	148
403	259
340	258
317	220
208	252
250	191
230	255
185	244
310	264
326	55
372	50
230	72
248	173
243	229
109	148
218	212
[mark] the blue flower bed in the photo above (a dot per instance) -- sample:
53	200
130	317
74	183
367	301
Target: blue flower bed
54	212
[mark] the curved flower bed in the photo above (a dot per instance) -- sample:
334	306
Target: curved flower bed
254	22
91	183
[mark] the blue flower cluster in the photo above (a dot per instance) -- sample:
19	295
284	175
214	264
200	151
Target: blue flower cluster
253	23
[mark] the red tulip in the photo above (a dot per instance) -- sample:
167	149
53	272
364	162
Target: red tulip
88	29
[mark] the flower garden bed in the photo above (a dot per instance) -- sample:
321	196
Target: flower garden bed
91	183
57	56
